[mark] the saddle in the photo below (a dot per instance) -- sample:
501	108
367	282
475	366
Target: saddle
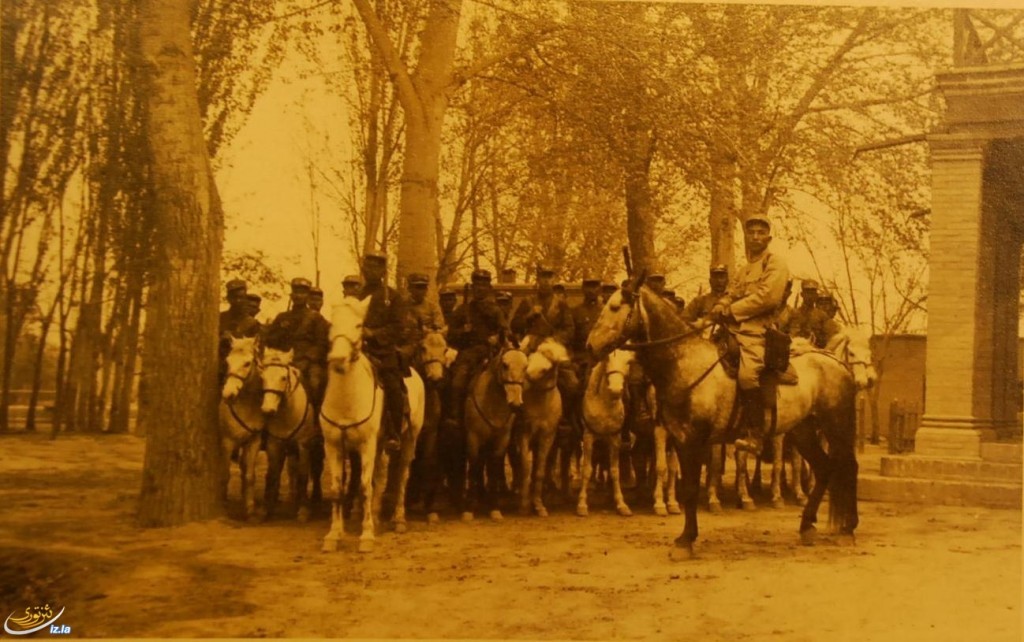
777	368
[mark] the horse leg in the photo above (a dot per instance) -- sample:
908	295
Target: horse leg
661	471
742	489
585	469
810	448
352	492
476	474
247	467
431	470
306	457
797	477
777	466
317	455
691	458
544	443
716	465
272	489
367	455
673	475
334	458
405	466
525	457
381	473
227	446
614	448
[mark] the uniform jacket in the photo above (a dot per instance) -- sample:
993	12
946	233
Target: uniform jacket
303	330
757	291
584	316
474	322
554	320
700	307
386	318
421	318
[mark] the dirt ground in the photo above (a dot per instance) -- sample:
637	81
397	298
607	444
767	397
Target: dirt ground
67	538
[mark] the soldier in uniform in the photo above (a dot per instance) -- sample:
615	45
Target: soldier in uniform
447	299
422	315
807	321
545	314
255	301
700	307
305	332
826	304
316	299
236	321
477	329
504	299
351	285
747	310
383	337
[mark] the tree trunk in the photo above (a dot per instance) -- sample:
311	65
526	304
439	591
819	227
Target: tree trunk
37	373
722	213
181	470
419	199
640	216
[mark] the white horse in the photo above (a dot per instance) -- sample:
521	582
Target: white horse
241	420
852	348
351	421
603	415
542	410
291	429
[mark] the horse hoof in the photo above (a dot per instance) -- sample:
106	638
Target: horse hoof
496	516
467	516
303	515
682	551
715	508
542	512
582	511
673	509
329	546
846	539
661	511
365	545
433	518
801	501
808	536
778	503
624	511
401	527
749	506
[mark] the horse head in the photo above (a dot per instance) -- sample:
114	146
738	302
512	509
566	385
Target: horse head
346	333
510	365
241	361
544	361
432	356
612	327
277	377
853	347
616	367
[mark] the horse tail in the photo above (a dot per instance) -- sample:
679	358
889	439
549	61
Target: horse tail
842	512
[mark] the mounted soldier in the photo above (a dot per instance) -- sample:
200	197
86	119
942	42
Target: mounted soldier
447	299
656	281
316	300
422	315
607	289
700	307
305	332
807	321
583	317
504	299
544	315
747	310
351	285
383	337
255	301
478	329
829	327
236	321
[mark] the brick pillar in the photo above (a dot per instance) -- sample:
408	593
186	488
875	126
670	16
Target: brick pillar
961	337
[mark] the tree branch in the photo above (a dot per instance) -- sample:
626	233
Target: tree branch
397	69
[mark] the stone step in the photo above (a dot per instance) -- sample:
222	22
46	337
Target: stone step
951	468
944	492
1002	452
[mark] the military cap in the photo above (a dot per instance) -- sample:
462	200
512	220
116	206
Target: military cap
375	257
352	279
481	276
254	297
316	290
503	295
236	284
301	283
590	282
758	218
721	268
446	294
626	283
545	270
656	276
558	287
825	295
609	287
417	278
809	284
668	294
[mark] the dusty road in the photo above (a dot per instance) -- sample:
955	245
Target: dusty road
67	538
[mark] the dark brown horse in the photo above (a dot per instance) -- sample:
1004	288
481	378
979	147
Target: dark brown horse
696	398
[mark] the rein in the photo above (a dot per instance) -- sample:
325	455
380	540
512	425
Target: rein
504	382
287	394
373	406
231	404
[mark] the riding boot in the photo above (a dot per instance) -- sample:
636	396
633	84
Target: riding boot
394	404
753	419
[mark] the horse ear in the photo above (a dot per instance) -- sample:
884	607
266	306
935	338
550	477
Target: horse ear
363	306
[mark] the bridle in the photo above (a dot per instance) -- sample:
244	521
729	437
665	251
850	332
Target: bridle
293	381
357	345
642	329
252	374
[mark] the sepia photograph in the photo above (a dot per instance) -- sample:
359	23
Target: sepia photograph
511	320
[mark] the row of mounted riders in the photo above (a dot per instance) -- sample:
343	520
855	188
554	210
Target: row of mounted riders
513	408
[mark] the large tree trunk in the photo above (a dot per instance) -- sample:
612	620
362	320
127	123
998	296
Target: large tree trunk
419	201
180	477
722	212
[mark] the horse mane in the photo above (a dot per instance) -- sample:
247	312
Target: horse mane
553	351
665	311
273	356
801	345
